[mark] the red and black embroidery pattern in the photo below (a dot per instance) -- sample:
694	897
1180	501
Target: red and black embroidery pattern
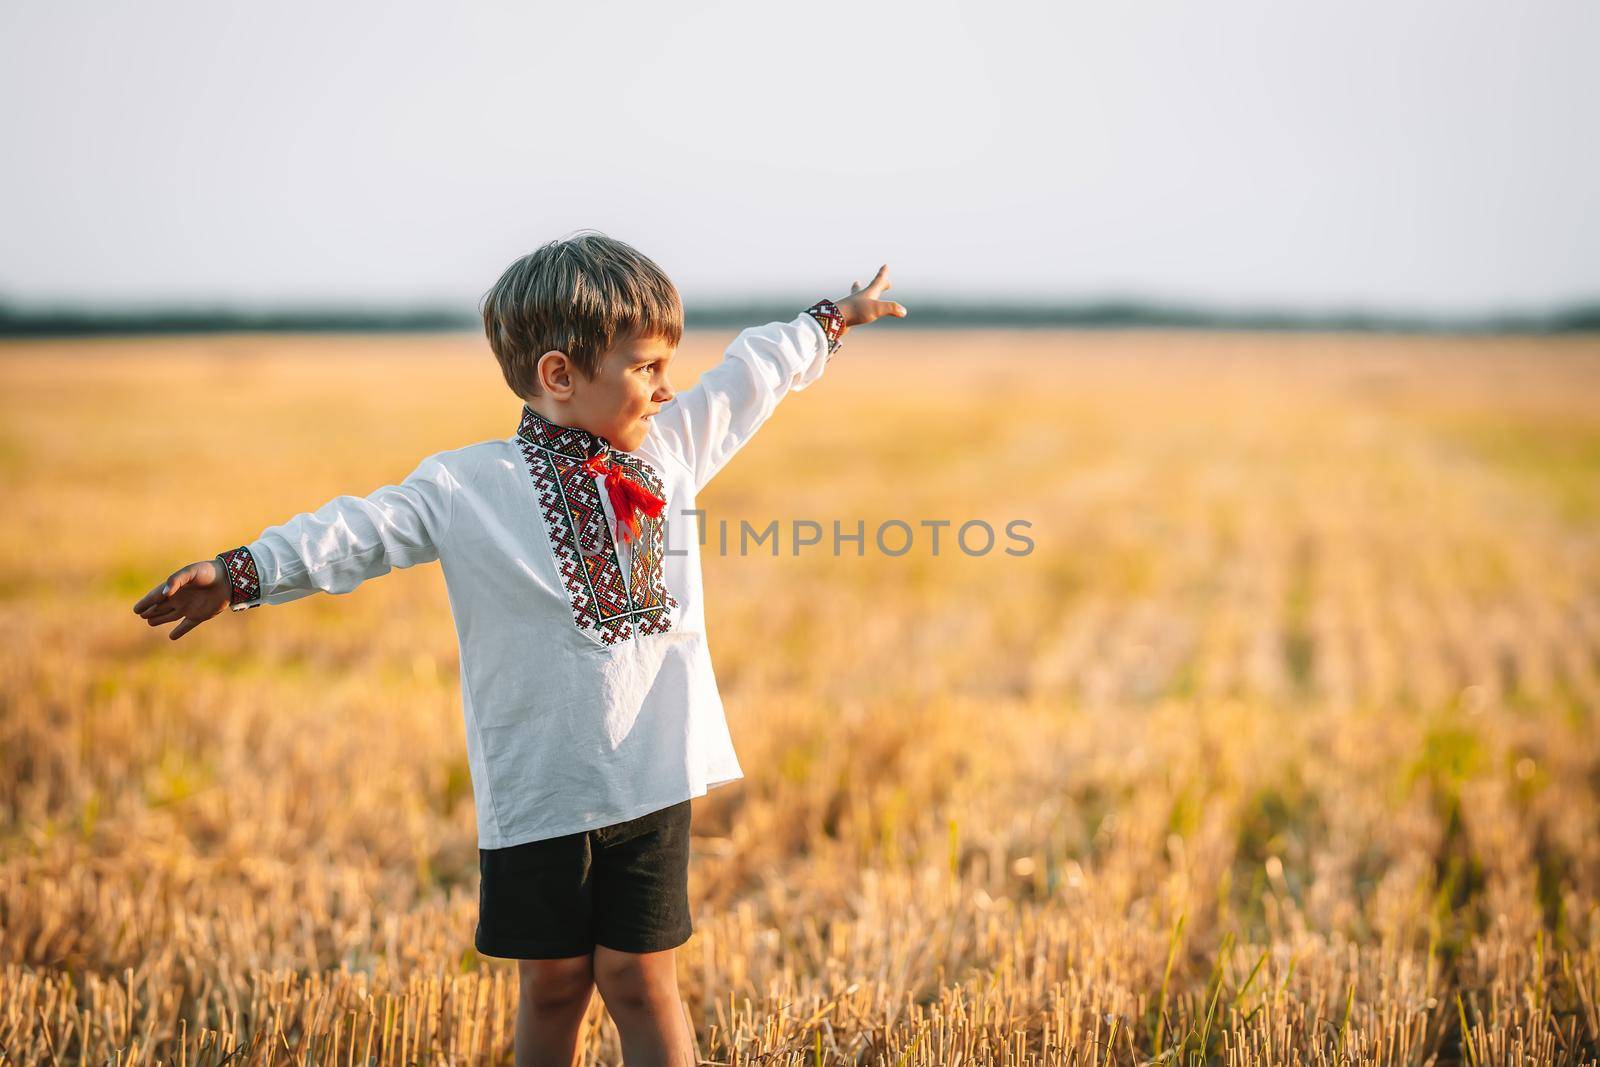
652	603
831	319
606	604
243	581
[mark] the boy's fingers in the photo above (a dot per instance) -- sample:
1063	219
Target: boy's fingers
182	628
156	598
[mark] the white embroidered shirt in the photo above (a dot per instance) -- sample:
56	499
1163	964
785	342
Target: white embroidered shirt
586	680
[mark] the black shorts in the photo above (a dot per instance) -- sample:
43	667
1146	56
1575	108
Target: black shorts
624	886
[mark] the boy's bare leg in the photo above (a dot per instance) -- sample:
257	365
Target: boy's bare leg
641	992
554	997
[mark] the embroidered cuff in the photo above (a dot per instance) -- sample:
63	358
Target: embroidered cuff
244	582
828	316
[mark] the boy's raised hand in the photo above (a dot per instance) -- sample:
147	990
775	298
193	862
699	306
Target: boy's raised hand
863	306
191	594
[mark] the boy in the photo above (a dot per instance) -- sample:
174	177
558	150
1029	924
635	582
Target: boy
571	557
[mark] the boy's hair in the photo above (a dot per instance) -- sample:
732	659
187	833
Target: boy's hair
582	294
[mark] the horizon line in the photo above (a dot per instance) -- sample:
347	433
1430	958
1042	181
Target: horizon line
16	321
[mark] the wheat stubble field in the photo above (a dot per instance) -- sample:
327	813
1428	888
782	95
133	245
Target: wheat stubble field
1279	747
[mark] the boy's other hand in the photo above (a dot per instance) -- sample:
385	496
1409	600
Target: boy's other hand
193	594
863	305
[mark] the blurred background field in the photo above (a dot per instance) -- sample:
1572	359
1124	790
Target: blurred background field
1279	747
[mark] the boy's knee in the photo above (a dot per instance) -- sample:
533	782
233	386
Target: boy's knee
635	981
552	984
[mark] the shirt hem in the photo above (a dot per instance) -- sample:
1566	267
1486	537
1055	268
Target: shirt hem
607	820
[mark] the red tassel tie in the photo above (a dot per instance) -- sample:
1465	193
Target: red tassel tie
628	497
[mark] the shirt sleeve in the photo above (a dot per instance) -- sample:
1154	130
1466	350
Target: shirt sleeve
707	424
345	541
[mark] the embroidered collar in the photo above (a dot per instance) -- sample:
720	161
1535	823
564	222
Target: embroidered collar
630	485
610	603
567	440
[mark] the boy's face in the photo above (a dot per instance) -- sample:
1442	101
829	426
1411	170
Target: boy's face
629	388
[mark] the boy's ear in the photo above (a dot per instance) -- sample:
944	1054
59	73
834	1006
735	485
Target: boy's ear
552	372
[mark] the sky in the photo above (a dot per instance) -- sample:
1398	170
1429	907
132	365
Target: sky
1427	156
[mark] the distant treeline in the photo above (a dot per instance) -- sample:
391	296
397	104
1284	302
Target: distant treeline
71	322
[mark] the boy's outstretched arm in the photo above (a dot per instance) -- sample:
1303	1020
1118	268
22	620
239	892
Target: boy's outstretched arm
333	549
707	424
